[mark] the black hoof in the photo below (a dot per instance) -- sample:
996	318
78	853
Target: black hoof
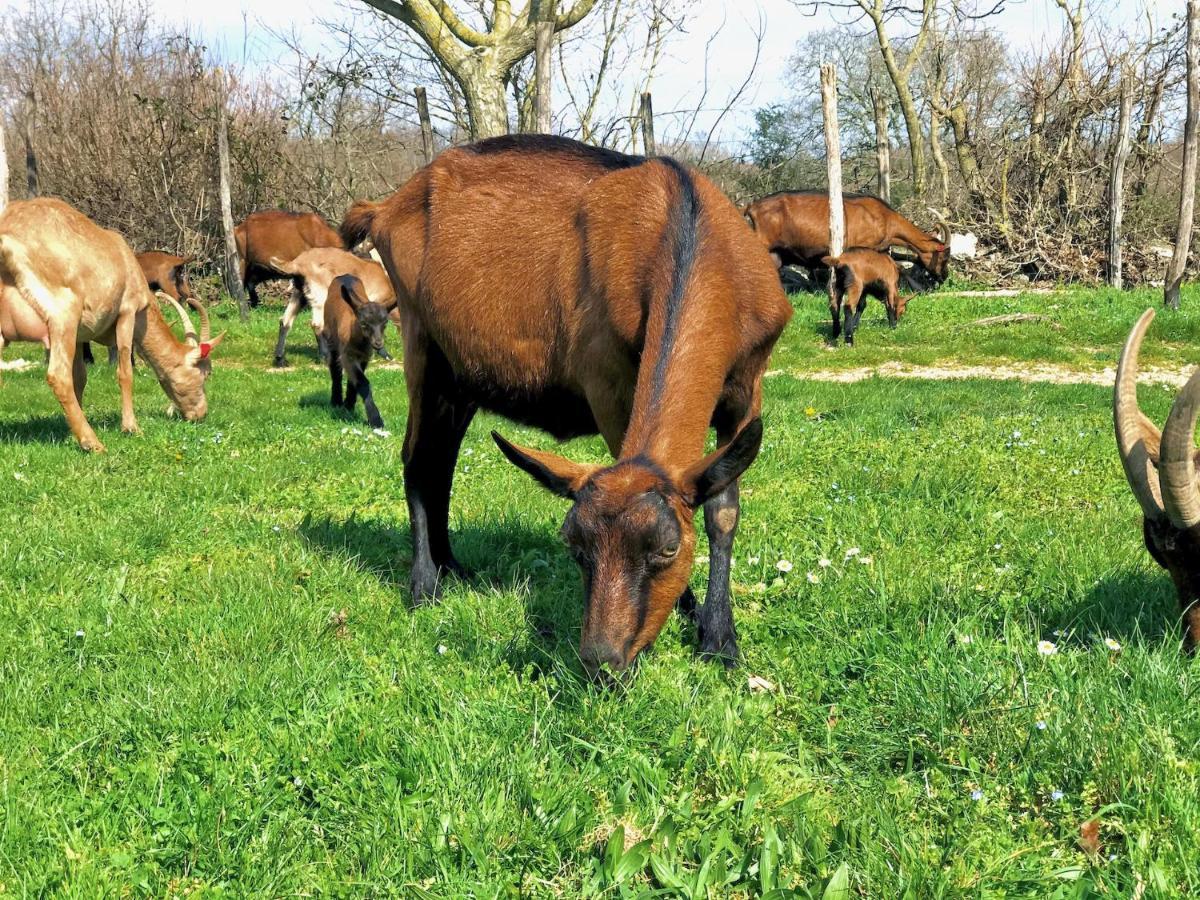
280	362
719	646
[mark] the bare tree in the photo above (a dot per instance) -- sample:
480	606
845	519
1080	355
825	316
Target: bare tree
3	168
481	61
1191	140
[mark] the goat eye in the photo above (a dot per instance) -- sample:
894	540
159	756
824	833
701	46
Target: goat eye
665	554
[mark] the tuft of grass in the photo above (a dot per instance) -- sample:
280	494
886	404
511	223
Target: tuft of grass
211	683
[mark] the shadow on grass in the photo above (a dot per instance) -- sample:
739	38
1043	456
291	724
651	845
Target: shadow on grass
1134	607
501	555
53	429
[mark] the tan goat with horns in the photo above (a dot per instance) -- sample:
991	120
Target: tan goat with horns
1161	469
65	281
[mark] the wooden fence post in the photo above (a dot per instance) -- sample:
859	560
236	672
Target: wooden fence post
233	282
1116	182
883	146
426	125
542	72
1187	198
32	179
3	168
833	158
647	114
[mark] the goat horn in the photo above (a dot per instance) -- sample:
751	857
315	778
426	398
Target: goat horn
202	311
1137	437
189	331
1177	462
943	224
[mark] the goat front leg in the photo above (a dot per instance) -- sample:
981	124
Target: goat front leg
285	325
60	375
335	379
124	345
374	419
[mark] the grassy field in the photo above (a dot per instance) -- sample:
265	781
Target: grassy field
211	683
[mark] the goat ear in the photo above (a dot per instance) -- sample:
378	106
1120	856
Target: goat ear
723	466
553	472
350	295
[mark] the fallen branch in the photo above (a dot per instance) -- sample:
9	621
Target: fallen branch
1017	319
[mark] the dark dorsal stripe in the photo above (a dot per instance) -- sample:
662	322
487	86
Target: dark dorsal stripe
816	192
546	143
682	233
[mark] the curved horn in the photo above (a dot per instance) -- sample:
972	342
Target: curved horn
189	332
944	235
1137	436
1177	464
202	311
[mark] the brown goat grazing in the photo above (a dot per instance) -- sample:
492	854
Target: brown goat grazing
312	273
355	328
166	274
1161	469
579	290
795	227
862	274
277	234
65	281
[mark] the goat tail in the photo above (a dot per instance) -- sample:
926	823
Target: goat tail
358	222
832	261
14	259
282	266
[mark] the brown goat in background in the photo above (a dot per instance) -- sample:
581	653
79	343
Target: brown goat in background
272	234
580	290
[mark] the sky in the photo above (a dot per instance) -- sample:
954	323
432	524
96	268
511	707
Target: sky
241	30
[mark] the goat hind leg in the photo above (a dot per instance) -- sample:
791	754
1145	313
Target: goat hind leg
60	375
285	325
124	345
714	620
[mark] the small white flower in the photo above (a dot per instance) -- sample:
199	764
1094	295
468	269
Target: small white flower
381	432
1041	725
814	578
965	639
977	795
79	633
824	563
441	649
20	476
275	528
784	566
1113	645
1016	435
1047	648
753	560
866	560
852	552
1056	795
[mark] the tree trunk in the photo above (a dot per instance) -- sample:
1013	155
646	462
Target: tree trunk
1187	195
542	72
883	146
487	109
833	161
233	283
939	158
1116	183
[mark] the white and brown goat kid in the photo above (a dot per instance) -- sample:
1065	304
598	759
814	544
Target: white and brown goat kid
355	327
65	281
313	271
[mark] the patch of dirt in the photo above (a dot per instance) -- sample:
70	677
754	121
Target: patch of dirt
1028	372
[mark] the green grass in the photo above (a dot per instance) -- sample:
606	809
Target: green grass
179	714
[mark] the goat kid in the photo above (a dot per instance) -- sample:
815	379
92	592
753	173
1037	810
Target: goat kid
65	281
312	273
354	328
859	274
